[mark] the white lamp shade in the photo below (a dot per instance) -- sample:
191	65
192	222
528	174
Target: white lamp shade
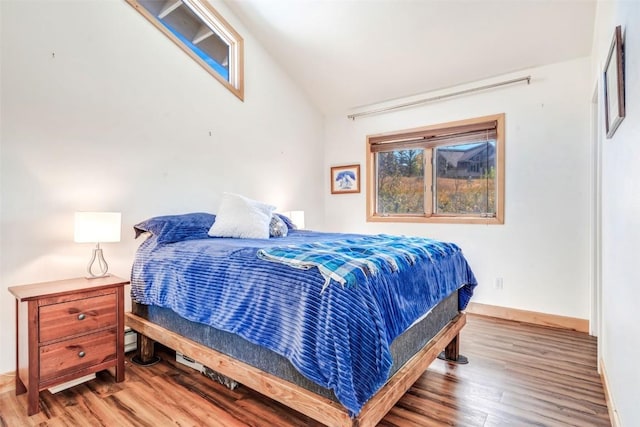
297	218
97	227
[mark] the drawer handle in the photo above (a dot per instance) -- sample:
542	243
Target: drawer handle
81	316
81	354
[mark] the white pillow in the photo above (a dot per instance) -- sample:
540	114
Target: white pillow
241	217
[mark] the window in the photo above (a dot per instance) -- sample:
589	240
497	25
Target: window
452	172
203	34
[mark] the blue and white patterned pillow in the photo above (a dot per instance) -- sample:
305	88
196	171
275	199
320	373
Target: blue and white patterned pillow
286	220
277	227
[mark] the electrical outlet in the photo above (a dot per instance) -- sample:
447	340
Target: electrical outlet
499	285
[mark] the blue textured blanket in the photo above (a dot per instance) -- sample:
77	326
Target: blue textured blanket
338	337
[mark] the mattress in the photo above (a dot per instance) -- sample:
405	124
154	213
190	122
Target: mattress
402	348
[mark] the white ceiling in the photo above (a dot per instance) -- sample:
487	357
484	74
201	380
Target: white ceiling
351	53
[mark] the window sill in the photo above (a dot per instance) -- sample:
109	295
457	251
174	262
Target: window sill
436	219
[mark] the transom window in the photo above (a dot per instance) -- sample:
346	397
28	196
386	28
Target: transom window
198	29
452	172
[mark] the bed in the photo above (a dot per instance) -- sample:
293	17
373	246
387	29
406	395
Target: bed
339	343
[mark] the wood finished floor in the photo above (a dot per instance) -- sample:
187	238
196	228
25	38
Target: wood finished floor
519	375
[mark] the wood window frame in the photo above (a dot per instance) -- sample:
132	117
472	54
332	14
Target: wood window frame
428	137
220	27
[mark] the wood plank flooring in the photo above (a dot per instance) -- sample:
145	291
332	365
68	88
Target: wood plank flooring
518	375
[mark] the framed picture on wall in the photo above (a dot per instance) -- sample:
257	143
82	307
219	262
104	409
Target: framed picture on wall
345	179
614	84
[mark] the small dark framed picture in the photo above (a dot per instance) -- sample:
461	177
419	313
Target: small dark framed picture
614	84
345	179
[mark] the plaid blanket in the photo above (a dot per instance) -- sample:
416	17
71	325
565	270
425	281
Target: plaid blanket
345	260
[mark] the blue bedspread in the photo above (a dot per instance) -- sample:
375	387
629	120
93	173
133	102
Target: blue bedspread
338	337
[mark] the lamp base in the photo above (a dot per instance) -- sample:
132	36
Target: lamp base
97	258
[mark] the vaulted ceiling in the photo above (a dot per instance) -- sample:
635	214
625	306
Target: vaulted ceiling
350	53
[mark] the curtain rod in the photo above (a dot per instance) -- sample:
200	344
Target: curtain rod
437	98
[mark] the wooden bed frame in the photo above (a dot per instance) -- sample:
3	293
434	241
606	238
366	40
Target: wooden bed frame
291	395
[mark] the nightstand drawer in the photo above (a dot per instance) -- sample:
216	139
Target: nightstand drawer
78	316
65	357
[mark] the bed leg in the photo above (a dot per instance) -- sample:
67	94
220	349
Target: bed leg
145	353
452	354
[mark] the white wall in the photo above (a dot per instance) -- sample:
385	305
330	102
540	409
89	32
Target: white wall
620	333
542	250
100	111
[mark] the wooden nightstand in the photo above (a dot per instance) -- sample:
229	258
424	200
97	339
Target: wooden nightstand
65	330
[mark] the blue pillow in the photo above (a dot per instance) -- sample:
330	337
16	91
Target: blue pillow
287	220
177	228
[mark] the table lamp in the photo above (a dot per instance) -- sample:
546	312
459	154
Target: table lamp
97	227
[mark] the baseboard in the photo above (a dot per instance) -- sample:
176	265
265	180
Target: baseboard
130	339
613	413
186	360
61	387
553	320
7	382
